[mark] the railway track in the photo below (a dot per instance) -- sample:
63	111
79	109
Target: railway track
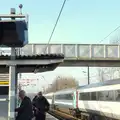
56	115
62	116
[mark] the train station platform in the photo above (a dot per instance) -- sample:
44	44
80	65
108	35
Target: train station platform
50	117
4	109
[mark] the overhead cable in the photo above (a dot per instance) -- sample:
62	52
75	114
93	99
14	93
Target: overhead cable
53	30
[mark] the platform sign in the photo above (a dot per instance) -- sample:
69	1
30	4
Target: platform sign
13	33
4	82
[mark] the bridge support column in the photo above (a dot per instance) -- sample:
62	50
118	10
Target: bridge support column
88	76
12	88
16	90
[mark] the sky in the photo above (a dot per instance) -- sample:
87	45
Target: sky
81	22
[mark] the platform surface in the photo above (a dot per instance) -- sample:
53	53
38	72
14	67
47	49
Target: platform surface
3	108
50	117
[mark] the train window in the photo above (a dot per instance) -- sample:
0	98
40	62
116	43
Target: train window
105	95
100	95
49	97
57	97
4	90
110	96
69	96
84	96
117	95
93	96
64	97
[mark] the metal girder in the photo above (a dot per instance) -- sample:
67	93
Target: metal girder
30	68
91	63
29	62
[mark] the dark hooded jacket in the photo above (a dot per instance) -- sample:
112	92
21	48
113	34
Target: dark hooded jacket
34	100
25	110
42	104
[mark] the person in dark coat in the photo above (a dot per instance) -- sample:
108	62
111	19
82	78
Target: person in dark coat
34	99
33	103
25	110
41	106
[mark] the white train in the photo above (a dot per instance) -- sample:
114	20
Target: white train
49	97
96	101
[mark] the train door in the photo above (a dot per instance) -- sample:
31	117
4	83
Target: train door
75	99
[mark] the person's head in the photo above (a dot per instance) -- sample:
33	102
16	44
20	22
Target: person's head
40	94
22	94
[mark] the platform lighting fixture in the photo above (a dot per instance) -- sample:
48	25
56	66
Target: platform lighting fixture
20	6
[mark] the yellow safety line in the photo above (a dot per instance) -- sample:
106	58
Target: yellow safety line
4	82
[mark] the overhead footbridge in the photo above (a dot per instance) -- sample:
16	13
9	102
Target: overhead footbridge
101	55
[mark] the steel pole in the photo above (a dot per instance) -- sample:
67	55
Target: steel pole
12	82
88	76
12	88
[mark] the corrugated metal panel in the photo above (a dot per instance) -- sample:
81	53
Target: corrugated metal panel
41	56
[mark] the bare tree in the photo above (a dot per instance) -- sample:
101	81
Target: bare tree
100	75
114	38
62	82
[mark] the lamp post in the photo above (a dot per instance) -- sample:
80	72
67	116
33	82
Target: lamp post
88	74
39	78
37	85
57	82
